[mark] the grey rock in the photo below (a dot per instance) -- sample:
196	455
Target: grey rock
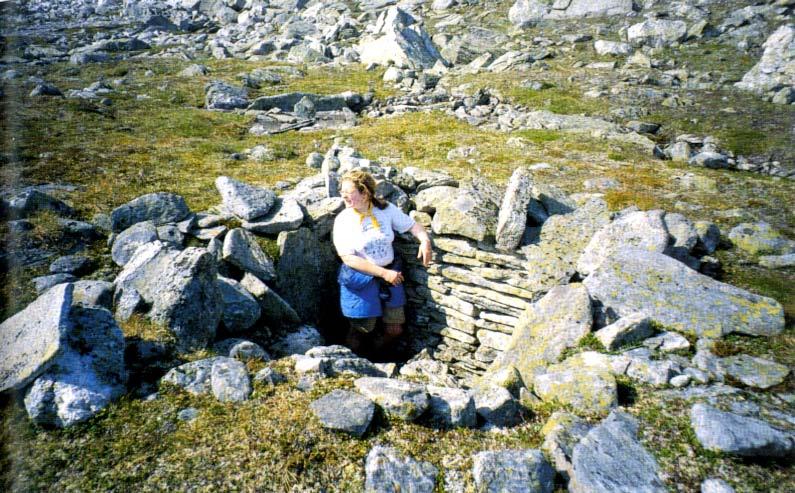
451	407
399	399
387	472
194	70
242	250
229	380
754	372
512	218
526	12
777	261
71	264
128	241
268	376
712	160
626	330
657	32
287	101
429	198
775	68
31	201
43	283
297	342
170	233
193	377
708	236
307	266
561	433
642	229
666	342
86	376
398	39
345	411
31	339
468	215
241	349
611	459
245	201
285	215
497	406
730	433
760	238
222	96
584	389
275	310
525	471
94	293
604	47
179	287
188	414
240	310
671	294
160	208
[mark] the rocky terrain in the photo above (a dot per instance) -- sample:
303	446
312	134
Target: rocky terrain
609	189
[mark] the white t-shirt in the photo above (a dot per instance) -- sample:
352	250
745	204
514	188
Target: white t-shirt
355	237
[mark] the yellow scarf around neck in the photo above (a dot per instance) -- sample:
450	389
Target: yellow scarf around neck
367	214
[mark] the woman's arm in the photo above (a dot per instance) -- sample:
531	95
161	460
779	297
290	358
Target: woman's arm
424	251
362	265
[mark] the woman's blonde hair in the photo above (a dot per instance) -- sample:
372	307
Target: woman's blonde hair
365	184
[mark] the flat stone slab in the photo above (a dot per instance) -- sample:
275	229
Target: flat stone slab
160	208
31	339
610	459
243	200
346	411
519	471
285	215
400	399
388	472
585	390
731	433
754	372
670	293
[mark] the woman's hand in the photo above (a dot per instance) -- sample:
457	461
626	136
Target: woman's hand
393	277
425	252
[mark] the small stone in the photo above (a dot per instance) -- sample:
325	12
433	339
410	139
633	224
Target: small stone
345	411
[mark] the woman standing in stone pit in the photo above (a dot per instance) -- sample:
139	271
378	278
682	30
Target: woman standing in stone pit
371	277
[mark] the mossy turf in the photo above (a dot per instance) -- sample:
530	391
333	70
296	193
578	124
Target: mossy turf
165	141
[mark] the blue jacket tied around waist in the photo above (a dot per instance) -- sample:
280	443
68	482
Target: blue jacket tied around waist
359	294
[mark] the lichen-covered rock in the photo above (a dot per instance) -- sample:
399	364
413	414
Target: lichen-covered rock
160	208
497	406
193	377
777	65
31	339
342	410
242	250
557	321
562	432
467	215
525	12
754	372
731	433
512	219
86	376
642	229
398	398
243	200
520	471
584	389
760	239
610	459
222	96
388	472
229	380
629	329
679	298
657	32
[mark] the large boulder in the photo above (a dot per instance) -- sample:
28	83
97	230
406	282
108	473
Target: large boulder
160	208
776	68
556	322
275	310
306	273
586	390
86	376
610	459
242	250
731	433
642	229
398	39
180	289
241	310
525	12
471	214
128	241
34	337
760	238
657	32
670	293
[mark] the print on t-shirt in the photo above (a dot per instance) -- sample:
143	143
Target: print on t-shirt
376	245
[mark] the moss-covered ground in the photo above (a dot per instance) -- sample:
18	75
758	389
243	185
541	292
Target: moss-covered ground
165	141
